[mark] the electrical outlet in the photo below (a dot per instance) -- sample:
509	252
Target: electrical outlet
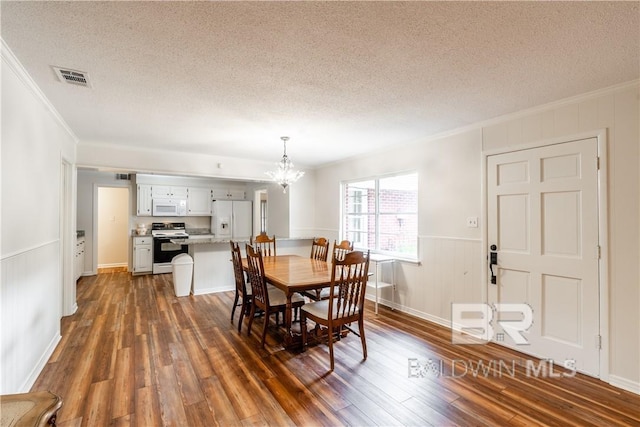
472	222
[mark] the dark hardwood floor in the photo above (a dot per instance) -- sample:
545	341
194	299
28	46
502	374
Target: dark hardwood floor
136	355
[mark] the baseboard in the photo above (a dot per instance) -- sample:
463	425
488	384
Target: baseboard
419	314
625	384
213	290
37	369
113	265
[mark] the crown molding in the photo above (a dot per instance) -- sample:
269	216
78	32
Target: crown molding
9	58
478	126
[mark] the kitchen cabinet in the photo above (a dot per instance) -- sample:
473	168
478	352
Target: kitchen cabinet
142	255
79	258
144	200
199	201
228	194
169	192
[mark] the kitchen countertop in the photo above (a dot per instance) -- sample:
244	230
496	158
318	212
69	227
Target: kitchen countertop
199	232
190	232
210	239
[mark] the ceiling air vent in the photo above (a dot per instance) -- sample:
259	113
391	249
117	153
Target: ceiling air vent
123	176
74	77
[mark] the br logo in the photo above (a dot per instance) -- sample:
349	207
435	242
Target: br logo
472	323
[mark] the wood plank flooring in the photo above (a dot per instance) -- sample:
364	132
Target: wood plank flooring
135	355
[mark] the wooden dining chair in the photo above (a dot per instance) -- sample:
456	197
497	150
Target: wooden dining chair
319	249
268	299
346	300
266	244
340	249
243	290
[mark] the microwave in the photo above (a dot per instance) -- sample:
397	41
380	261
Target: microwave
169	207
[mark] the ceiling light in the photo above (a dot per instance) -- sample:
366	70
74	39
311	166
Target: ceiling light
285	174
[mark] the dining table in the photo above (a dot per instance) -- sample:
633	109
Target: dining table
291	274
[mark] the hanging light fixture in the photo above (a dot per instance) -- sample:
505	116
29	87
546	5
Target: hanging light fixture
285	174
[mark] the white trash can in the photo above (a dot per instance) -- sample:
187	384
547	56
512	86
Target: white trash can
182	266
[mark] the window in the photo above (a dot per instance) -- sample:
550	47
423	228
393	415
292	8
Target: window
381	214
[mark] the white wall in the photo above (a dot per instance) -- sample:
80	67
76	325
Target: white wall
34	142
302	216
449	192
172	163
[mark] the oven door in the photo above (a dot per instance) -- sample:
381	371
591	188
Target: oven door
164	250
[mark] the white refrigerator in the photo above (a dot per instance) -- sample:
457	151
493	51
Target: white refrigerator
232	219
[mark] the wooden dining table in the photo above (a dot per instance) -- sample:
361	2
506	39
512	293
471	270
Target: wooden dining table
291	274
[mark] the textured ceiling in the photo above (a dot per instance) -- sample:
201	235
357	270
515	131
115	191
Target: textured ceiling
339	78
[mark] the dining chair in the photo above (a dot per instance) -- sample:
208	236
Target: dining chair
346	300
319	251
243	290
266	244
340	249
268	299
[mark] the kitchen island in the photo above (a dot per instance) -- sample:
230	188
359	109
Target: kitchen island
212	269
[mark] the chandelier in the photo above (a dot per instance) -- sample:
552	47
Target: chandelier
285	174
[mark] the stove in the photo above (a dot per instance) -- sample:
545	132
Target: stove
163	248
171	229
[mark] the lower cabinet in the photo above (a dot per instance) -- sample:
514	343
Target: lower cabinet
142	255
79	259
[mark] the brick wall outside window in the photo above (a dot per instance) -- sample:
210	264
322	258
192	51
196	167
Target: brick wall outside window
397	216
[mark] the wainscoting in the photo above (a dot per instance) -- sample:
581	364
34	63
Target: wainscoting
30	307
449	272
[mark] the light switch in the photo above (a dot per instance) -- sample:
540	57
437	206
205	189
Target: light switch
472	222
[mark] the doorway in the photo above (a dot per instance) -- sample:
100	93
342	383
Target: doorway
113	228
260	211
545	219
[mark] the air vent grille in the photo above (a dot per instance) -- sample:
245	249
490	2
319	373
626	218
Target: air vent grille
123	176
74	77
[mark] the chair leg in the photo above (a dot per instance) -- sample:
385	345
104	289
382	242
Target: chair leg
303	330
251	316
264	330
330	337
235	304
364	342
242	311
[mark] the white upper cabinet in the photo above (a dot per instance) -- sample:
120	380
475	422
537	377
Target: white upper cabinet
169	192
144	200
228	194
199	201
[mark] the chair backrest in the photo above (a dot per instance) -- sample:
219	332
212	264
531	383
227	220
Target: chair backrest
348	285
236	258
340	249
319	249
266	244
256	277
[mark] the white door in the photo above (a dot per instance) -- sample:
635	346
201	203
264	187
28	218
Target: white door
543	218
